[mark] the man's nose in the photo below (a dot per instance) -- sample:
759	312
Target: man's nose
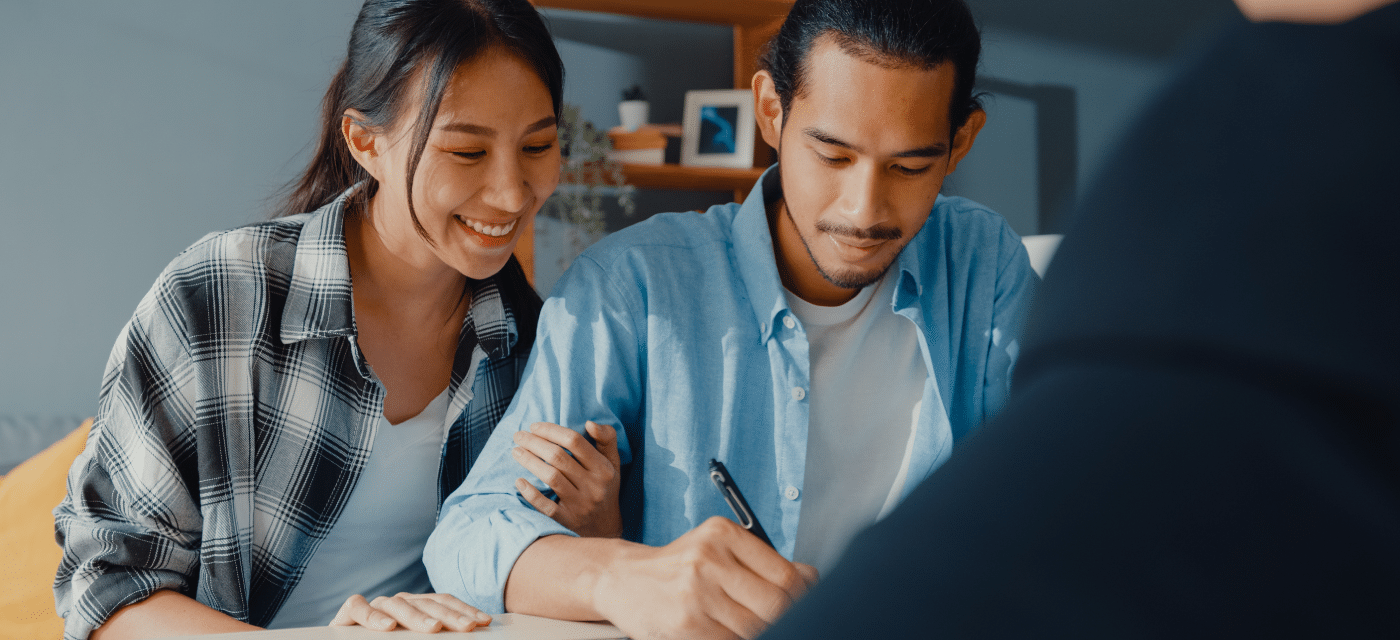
862	197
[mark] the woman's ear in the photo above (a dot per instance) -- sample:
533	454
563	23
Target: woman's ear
767	108
366	145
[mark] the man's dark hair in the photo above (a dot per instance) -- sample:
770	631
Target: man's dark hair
393	41
920	33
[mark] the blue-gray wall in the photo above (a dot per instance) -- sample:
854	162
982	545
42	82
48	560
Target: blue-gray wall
133	128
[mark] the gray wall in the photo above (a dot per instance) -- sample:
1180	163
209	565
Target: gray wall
134	128
1108	87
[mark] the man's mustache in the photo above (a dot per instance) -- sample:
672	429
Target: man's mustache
873	233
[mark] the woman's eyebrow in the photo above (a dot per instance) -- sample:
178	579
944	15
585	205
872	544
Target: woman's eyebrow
541	124
482	130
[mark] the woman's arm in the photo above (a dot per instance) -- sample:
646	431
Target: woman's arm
165	614
129	525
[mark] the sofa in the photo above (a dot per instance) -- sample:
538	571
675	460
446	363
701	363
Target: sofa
36	454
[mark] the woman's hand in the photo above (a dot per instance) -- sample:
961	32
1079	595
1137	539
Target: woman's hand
585	482
421	612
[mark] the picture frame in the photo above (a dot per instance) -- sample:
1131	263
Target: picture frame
717	129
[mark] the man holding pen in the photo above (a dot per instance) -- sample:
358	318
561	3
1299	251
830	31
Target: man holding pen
829	340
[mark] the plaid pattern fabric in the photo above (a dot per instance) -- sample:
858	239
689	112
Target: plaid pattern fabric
235	416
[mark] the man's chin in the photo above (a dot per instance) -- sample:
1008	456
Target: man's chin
850	278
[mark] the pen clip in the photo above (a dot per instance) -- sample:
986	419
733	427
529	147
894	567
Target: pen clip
738	506
735	499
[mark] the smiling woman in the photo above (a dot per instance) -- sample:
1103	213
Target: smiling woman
293	393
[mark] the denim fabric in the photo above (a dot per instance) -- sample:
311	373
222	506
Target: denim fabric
676	330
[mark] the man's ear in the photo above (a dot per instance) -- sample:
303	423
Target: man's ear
767	108
966	135
366	146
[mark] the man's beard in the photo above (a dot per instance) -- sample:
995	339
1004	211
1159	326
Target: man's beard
848	279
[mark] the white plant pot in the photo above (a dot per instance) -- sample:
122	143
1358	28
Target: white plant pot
633	113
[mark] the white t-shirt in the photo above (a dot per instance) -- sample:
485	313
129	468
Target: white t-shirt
376	546
867	387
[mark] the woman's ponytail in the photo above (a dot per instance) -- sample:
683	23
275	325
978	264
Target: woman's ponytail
332	169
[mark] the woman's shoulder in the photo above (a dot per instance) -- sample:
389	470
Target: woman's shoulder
225	276
252	242
268	244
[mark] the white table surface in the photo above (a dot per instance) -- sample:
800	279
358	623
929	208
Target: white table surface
506	626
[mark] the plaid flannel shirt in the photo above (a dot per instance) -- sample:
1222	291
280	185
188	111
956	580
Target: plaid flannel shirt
236	414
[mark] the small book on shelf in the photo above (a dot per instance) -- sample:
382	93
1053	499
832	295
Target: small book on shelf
646	145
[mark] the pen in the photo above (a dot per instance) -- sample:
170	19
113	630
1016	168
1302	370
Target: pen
725	483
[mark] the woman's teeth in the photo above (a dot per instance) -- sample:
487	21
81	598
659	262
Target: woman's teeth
493	230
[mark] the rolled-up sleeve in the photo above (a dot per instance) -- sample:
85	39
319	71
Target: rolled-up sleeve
129	525
585	366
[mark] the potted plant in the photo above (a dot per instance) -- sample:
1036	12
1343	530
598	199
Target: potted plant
634	110
587	178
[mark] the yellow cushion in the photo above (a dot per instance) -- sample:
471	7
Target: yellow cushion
28	554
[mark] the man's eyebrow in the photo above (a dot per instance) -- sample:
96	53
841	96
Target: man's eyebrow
935	150
480	130
826	138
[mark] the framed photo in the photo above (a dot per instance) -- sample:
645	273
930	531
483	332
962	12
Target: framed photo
718	129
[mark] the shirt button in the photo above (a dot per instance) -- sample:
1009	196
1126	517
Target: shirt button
798	393
789	322
791	492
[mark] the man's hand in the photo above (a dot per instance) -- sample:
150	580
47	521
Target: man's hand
421	612
585	482
717	581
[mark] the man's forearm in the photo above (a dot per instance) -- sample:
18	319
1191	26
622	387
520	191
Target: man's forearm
558	575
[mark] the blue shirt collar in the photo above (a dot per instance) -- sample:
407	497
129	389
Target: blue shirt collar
753	248
912	261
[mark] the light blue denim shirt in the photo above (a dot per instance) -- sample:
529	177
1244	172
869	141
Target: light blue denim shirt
678	331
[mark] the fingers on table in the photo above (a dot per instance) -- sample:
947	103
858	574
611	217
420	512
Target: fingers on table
458	606
407	614
424	613
451	612
357	611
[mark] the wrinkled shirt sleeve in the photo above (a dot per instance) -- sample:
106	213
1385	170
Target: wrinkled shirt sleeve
129	525
585	366
1015	287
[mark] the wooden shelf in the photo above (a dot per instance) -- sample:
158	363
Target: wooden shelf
674	176
754	23
747	12
683	178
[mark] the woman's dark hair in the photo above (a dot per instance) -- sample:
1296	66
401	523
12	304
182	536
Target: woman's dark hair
922	33
391	42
